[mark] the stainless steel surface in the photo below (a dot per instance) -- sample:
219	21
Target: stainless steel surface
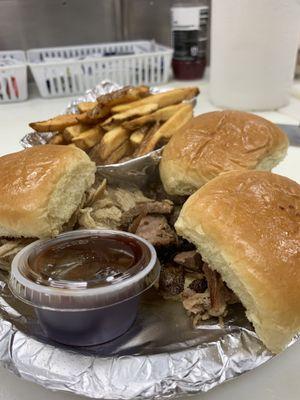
28	24
147	19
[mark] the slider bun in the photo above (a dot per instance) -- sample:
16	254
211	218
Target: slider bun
246	225
216	142
40	188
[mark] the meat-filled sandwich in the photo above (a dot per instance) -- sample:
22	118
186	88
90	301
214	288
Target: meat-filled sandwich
41	189
216	142
246	226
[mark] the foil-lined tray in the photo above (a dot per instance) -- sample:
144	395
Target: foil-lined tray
147	362
162	355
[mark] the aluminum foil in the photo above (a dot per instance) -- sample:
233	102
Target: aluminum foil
162	355
146	362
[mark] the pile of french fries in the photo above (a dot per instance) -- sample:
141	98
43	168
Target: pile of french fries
124	124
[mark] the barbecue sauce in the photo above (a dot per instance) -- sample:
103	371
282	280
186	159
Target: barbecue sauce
96	261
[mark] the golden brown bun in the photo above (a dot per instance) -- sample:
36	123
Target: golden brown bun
216	142
246	225
40	189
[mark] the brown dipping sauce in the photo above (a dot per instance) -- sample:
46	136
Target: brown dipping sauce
87	262
85	286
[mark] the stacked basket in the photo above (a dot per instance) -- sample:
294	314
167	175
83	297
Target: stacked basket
66	71
13	76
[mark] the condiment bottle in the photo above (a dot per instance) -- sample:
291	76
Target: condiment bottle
189	22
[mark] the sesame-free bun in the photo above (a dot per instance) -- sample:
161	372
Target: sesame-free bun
219	141
246	225
40	188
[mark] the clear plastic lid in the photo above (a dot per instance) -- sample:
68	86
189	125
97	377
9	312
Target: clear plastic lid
83	270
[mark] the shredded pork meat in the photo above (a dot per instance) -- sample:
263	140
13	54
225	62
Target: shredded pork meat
216	292
203	293
171	280
149	207
190	260
156	230
115	208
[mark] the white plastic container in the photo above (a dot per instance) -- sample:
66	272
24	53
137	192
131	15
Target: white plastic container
13	76
253	52
64	71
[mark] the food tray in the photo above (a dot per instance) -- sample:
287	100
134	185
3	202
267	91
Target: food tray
13	76
64	71
147	362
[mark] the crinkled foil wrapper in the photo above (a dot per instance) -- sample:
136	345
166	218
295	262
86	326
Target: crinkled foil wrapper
162	355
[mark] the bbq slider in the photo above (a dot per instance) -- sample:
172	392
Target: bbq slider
216	142
41	187
246	226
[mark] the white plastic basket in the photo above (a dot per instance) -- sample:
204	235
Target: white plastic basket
60	71
13	78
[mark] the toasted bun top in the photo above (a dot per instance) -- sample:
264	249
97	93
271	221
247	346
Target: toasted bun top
246	225
40	188
216	142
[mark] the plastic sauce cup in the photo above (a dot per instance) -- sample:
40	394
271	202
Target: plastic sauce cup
85	285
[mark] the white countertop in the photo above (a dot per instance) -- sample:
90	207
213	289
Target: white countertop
276	380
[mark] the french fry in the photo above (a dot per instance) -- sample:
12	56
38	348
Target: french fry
110	127
122	124
94	154
86	106
168	128
133	112
119	152
89	138
161	115
58	123
107	101
73	131
57	139
94	115
161	99
124	95
111	141
138	135
140	149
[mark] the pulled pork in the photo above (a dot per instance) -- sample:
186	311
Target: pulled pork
190	260
118	208
131	210
171	280
149	207
156	230
203	293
